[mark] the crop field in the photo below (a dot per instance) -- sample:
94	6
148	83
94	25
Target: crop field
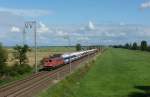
116	73
41	53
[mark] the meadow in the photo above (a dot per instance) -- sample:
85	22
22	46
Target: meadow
116	73
41	53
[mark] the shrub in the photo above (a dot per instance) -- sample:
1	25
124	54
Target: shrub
134	47
143	45
20	69
3	59
148	48
127	46
78	47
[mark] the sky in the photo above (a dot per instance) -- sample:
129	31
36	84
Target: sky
80	21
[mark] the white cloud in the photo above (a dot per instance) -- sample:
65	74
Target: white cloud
15	29
61	33
122	34
108	34
114	34
42	28
9	19
145	32
145	5
26	12
91	25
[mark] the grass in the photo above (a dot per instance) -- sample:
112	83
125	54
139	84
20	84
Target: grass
117	73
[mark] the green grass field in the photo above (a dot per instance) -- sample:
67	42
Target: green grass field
117	73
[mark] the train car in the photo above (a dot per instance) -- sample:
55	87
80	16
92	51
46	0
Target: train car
58	60
69	57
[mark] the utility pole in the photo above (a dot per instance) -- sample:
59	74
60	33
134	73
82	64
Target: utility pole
31	25
35	43
88	49
69	44
24	36
69	41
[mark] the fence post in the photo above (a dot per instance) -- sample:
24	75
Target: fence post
58	75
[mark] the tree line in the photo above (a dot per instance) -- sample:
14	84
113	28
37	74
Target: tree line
79	47
20	65
143	46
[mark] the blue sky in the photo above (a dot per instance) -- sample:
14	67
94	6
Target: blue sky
81	11
94	21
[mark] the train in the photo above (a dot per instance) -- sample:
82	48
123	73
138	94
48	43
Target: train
53	62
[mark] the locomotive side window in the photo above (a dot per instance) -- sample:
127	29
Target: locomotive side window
50	60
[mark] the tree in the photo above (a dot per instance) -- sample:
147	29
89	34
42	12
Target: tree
21	53
127	46
134	47
3	59
148	48
143	45
78	47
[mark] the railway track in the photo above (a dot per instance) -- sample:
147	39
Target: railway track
13	84
33	84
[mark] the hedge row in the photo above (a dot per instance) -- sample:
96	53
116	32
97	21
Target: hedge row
143	46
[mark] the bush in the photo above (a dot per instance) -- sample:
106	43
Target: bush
3	59
148	48
143	45
135	46
127	46
20	69
78	47
10	72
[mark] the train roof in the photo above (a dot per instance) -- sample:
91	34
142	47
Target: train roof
75	53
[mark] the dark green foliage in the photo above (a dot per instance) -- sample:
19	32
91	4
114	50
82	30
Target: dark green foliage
20	69
135	46
127	46
148	48
3	59
20	53
10	73
143	45
78	47
17	70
